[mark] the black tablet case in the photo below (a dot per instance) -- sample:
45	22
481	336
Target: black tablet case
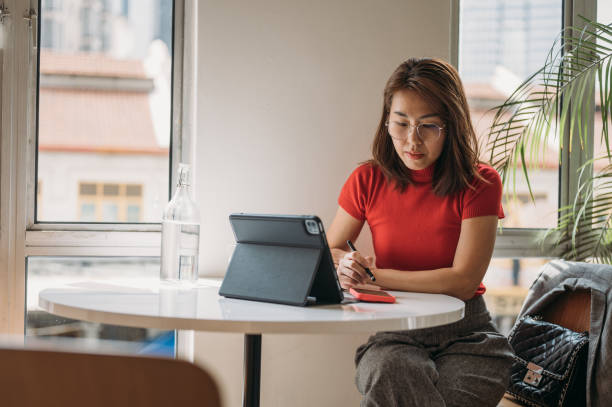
277	260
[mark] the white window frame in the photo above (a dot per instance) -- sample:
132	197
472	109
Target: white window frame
523	242
20	236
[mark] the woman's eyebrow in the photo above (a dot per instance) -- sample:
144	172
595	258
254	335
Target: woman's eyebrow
397	112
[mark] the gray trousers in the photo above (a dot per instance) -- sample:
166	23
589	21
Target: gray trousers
465	363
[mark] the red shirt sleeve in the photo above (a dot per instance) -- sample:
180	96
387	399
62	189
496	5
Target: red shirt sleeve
354	194
485	198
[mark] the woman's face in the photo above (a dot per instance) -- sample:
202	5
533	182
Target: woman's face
418	150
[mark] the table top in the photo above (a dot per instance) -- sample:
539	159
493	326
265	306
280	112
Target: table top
152	305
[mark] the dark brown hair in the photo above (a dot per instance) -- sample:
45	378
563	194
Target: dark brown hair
437	82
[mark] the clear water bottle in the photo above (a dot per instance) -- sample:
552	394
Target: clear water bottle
180	234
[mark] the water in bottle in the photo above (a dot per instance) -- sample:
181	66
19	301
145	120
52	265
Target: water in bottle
180	234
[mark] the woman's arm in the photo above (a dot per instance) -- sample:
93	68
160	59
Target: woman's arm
345	227
472	257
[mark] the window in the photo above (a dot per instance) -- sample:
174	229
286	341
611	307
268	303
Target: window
507	281
104	110
501	43
45	272
67	114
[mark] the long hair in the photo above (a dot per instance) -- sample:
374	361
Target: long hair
438	83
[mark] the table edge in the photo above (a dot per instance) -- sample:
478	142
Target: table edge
254	327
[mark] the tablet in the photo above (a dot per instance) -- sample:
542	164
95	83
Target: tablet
281	258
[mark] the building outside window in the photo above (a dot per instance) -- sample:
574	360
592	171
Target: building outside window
100	202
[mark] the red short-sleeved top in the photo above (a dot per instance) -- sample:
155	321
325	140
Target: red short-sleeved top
416	229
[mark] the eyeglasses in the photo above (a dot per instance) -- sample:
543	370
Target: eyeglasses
426	132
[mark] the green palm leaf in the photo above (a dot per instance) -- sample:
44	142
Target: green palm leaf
554	101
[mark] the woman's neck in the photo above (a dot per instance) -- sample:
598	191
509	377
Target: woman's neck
423	176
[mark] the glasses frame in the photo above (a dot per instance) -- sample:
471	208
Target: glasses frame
416	126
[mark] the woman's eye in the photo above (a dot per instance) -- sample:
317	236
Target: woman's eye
401	124
429	126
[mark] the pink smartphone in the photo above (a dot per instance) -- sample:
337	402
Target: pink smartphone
371	295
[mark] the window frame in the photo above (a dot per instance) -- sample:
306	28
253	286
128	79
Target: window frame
20	235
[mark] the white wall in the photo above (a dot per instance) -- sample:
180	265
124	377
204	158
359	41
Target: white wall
289	96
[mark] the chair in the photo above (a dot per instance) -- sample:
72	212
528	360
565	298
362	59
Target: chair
31	378
571	310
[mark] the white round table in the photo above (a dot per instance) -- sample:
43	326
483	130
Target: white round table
151	305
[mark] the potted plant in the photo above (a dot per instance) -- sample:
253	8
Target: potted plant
557	102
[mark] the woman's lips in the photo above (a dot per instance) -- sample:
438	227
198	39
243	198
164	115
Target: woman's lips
414	156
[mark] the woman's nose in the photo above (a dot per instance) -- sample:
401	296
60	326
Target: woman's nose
412	136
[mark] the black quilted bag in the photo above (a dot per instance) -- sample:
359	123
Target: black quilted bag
550	364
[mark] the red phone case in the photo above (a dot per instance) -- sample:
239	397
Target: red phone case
372	297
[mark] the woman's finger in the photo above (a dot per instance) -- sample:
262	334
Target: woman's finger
363	261
351	274
346	282
353	269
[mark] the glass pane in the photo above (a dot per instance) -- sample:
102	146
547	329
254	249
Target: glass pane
48	272
110	212
133	213
508	281
104	118
88	212
501	43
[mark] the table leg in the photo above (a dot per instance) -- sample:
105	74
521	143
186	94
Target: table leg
252	370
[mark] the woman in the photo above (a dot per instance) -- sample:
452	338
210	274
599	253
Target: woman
433	211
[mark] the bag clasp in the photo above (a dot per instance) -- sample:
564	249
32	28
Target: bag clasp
534	374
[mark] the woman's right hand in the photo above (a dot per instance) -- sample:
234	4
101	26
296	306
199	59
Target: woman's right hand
351	269
349	265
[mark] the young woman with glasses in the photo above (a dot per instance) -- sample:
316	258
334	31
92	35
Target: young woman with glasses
433	209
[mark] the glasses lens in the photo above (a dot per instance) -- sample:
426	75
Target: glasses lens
429	131
396	130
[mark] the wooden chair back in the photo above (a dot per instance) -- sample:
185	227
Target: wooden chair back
571	310
30	378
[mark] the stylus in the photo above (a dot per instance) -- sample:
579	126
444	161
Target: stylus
367	270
